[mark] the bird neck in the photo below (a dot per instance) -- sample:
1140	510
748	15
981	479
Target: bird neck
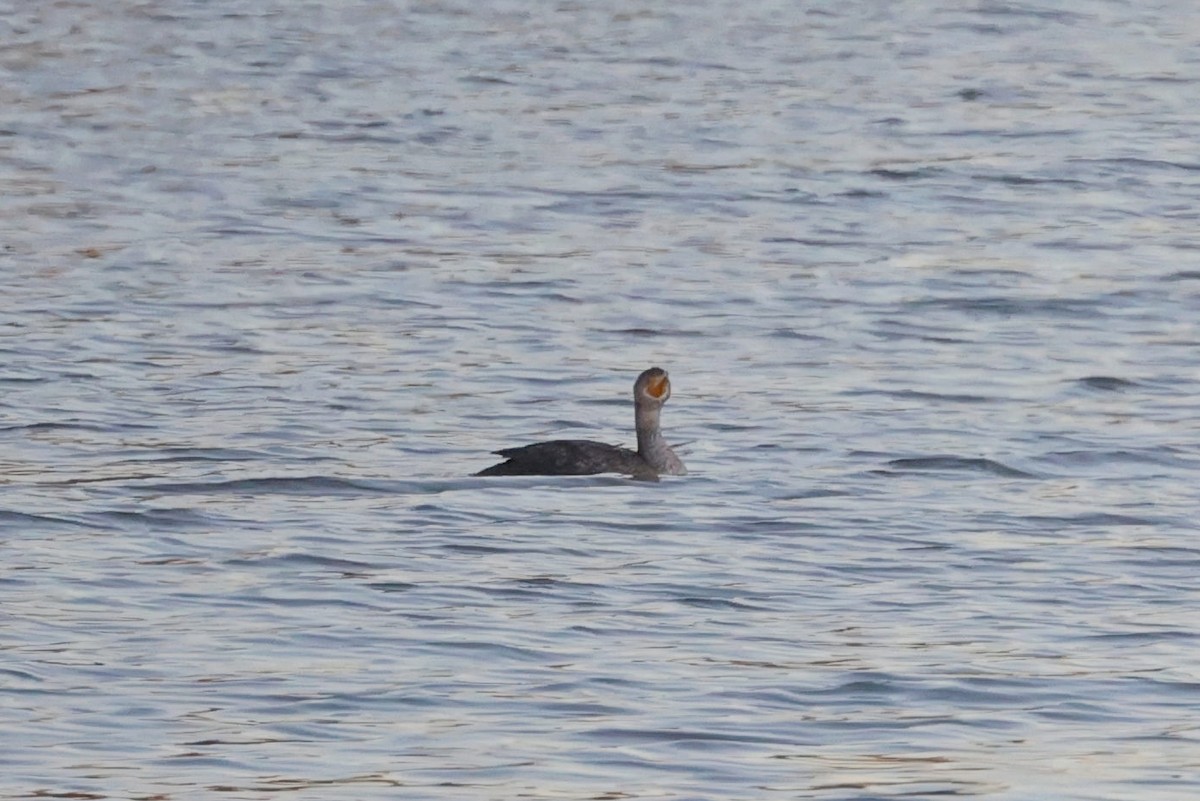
651	445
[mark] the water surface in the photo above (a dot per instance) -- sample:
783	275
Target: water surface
278	277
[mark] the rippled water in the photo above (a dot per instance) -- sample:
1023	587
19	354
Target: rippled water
277	277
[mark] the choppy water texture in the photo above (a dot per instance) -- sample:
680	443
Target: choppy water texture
277	276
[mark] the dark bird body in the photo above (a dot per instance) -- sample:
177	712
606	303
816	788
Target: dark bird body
581	457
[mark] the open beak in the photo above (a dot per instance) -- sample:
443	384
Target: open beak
658	387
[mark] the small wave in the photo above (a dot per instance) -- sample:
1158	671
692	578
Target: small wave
305	560
809	241
1092	520
718	603
789	333
1161	455
1162	164
59	426
904	175
1026	180
31	519
1106	383
912	394
156	518
957	463
677	735
1135	637
1006	306
391	586
191	454
1183	275
656	332
300	485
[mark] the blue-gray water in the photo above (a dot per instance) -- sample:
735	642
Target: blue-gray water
275	277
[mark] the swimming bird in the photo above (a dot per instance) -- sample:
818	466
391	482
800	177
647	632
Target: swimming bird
581	457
